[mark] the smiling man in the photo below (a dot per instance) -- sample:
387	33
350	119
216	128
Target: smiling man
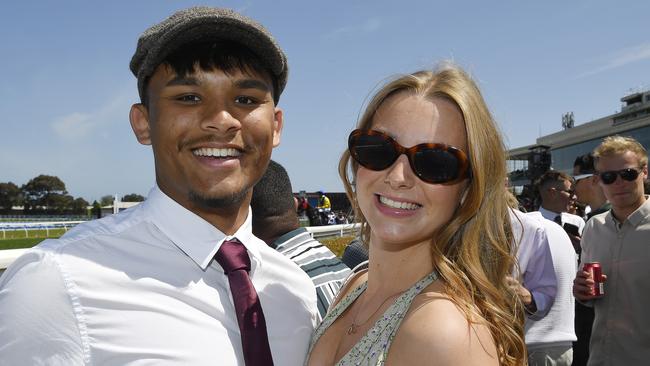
180	279
619	240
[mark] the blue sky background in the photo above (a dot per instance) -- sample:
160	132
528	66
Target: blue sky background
66	87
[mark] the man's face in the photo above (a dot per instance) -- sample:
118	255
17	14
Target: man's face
623	194
583	189
212	134
562	197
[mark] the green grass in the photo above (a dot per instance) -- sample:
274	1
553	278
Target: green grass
19	239
21	234
19	243
337	245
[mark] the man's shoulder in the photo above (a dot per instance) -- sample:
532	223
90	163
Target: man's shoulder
529	224
110	225
312	256
599	219
525	219
88	240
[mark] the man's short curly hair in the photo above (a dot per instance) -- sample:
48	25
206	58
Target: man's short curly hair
618	145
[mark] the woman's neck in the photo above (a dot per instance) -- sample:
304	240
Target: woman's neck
393	269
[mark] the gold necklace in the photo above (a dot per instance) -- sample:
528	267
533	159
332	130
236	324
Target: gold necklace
354	326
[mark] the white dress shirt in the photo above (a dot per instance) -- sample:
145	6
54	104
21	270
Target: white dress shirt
566	218
536	271
142	288
557	327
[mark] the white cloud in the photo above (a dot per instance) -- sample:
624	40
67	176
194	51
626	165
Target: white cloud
369	26
621	58
80	125
73	126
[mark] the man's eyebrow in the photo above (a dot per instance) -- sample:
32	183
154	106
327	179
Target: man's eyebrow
252	84
183	80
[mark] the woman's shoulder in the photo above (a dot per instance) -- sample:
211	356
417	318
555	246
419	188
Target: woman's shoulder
436	328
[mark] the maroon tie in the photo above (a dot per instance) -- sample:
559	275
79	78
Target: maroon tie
232	256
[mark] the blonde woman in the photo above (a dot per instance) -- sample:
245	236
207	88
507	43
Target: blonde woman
428	167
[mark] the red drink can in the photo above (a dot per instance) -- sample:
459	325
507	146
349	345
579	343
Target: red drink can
597	275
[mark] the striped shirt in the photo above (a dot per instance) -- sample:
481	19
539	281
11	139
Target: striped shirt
323	267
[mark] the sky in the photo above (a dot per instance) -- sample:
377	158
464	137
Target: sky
67	89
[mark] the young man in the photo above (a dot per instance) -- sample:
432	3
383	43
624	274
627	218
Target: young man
557	194
276	222
619	240
587	189
180	279
589	192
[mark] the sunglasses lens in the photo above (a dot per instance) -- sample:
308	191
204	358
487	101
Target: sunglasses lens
436	166
608	177
374	152
629	174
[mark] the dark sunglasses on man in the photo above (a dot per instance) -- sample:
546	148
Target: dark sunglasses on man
628	174
433	163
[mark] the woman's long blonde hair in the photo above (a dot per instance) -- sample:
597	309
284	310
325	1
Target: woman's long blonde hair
473	253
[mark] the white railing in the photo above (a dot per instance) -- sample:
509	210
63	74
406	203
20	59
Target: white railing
27	226
9	255
333	230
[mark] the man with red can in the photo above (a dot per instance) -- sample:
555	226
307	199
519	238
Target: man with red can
619	241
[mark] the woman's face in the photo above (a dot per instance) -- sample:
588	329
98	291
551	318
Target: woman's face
401	209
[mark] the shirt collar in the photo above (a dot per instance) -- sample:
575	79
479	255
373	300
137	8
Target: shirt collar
548	214
640	213
635	217
197	238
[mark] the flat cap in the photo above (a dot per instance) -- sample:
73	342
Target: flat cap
200	24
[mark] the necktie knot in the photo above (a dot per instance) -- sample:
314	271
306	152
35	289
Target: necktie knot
558	220
232	256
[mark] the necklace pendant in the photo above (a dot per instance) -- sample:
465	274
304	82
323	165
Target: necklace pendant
352	329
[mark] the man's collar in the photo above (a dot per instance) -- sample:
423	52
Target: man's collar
548	214
197	238
638	215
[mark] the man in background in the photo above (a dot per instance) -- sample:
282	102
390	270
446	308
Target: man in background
558	197
534	278
275	221
323	201
588	192
619	240
550	340
587	189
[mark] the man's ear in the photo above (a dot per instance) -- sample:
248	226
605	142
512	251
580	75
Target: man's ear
278	123
139	117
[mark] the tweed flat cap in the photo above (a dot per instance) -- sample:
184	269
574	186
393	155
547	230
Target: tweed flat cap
204	24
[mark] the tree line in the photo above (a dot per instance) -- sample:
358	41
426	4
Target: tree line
47	194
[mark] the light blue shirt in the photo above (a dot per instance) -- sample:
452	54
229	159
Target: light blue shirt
536	271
